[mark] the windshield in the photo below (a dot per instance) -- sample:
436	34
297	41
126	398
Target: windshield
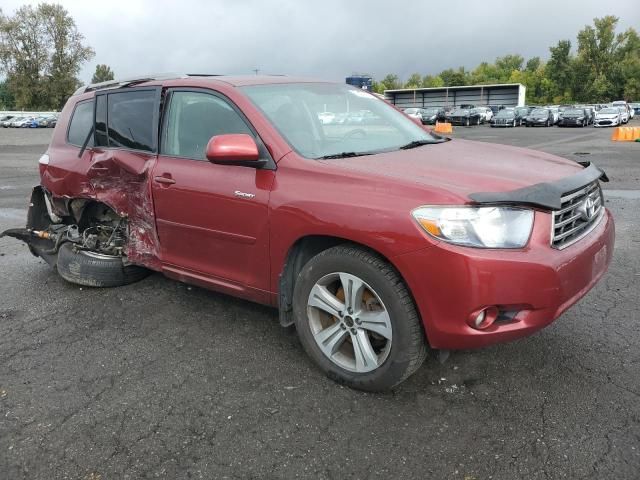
431	111
573	111
460	112
610	110
363	124
539	113
505	114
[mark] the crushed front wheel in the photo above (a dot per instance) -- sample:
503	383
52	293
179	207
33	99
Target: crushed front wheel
96	269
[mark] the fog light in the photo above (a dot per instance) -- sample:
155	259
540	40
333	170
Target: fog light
484	318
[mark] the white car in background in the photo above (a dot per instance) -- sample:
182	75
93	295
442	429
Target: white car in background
556	114
624	113
488	113
608	117
326	117
414	113
20	122
621	103
7	123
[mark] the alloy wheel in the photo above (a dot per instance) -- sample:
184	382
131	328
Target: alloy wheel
349	322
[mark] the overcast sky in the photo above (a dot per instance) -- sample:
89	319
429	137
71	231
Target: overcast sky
328	39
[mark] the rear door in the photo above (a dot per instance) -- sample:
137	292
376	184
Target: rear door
212	220
125	148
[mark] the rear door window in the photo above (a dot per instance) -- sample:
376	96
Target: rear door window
130	119
80	124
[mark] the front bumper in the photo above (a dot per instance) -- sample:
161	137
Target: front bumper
571	122
606	122
538	282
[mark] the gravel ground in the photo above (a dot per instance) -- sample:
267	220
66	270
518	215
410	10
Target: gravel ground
162	380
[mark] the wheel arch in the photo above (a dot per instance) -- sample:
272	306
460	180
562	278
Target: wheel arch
303	250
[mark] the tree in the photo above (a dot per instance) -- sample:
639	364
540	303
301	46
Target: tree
560	70
391	82
606	67
41	52
505	66
103	73
452	77
431	81
414	81
533	64
6	99
606	60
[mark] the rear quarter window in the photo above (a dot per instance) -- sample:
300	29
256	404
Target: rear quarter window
80	124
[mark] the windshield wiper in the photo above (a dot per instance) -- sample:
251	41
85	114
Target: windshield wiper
343	155
418	143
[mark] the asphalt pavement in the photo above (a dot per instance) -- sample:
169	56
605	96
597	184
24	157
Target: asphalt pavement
162	380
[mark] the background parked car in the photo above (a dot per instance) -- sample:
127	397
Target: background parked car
326	117
431	115
555	111
506	117
608	117
590	112
47	121
575	117
496	108
21	122
541	117
463	116
621	103
488	113
624	114
6	121
523	112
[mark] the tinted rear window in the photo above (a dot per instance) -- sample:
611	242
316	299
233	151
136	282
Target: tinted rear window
131	120
80	124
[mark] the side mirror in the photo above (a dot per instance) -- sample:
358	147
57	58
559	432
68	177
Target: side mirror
233	149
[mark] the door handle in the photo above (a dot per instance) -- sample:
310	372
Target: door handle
164	180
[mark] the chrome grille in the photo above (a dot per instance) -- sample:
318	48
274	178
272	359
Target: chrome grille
580	212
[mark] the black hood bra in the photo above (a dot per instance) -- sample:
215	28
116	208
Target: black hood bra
545	195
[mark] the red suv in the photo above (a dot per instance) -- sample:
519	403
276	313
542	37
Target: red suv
374	237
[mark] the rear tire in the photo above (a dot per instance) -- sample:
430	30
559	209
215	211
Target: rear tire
96	270
398	350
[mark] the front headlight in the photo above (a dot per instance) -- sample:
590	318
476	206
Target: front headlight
484	227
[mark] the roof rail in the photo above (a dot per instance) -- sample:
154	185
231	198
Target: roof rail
125	82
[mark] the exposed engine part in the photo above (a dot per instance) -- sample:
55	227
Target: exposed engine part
105	239
87	225
107	235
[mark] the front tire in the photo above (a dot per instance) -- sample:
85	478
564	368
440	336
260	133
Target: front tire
356	319
95	269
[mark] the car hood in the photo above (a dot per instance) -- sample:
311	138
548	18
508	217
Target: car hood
462	167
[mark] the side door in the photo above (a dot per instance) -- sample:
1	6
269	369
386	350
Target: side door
212	220
125	148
